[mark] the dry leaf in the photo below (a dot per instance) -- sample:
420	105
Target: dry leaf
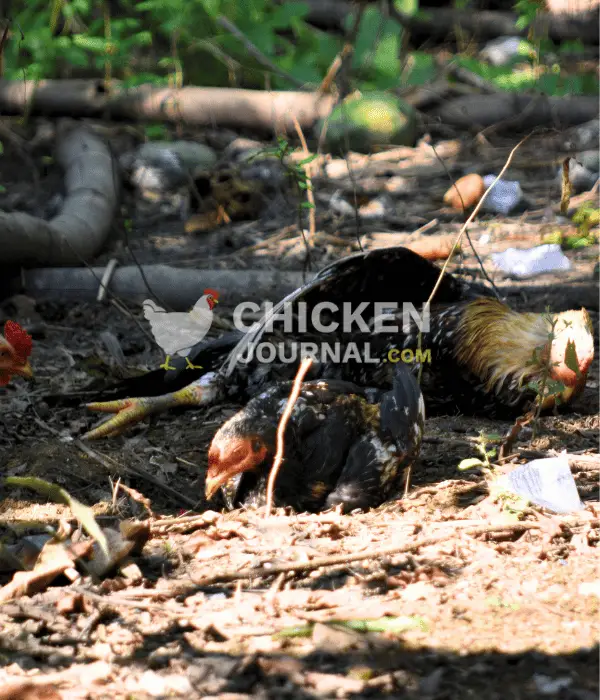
471	189
29	691
433	247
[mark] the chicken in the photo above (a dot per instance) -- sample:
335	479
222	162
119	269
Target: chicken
178	332
15	349
483	357
344	445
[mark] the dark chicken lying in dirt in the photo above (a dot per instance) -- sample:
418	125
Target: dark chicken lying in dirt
485	359
344	445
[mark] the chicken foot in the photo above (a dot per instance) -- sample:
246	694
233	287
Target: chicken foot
130	411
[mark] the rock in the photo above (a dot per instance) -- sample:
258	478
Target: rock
502	50
584	136
589	160
166	166
582	179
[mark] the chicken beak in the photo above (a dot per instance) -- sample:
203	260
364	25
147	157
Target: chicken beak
228	458
24	371
213	484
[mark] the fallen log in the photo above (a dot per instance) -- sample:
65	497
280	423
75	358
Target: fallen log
440	23
488	24
225	107
512	111
176	288
80	230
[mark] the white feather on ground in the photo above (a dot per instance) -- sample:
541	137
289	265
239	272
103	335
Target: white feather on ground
177	332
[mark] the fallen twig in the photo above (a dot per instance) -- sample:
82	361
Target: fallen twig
312	212
302	370
266	570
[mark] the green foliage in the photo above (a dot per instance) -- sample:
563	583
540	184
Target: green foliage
586	217
84	514
389	624
374	119
526	74
527	11
294	170
152	41
483	442
183	41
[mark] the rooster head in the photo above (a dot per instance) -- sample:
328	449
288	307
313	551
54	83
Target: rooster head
572	347
212	297
15	349
243	444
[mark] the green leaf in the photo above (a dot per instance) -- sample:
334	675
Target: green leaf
384	624
309	159
307	205
285	14
470	463
571	358
95	44
81	512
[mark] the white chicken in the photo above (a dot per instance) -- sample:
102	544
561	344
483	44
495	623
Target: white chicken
177	332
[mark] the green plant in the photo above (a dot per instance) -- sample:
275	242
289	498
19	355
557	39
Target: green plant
545	386
482	444
153	41
296	171
586	217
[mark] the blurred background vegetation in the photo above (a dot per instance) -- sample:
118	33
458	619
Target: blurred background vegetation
205	43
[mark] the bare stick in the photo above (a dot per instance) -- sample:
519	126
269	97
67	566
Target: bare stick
302	370
337	559
312	227
471	217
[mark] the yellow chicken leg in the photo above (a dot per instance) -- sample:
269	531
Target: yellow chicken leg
191	365
167	363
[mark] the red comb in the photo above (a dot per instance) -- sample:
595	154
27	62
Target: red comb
19	339
212	292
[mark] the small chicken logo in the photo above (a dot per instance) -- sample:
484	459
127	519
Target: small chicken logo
177	332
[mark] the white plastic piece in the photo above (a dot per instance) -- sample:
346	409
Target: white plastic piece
504	196
546	482
517	262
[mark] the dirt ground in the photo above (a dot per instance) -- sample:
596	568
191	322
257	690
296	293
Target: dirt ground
494	603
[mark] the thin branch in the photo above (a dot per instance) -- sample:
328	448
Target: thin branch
336	559
302	370
312	225
472	217
253	50
468	235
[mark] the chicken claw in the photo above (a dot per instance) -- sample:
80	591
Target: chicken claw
128	412
131	411
166	365
191	365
